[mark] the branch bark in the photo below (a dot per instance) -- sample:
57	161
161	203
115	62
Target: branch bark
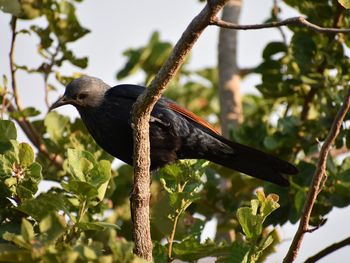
317	181
293	21
328	250
229	79
140	196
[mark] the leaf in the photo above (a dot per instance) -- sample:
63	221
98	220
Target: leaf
273	48
44	204
250	222
80	163
159	252
239	253
303	49
267	204
10	6
98	226
25	154
33	173
345	3
27	231
84	190
191	250
27	112
7	131
12	253
55	125
16	239
53	226
104	175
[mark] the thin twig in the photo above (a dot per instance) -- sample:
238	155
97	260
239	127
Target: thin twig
33	136
276	10
25	125
328	250
47	71
293	21
13	24
139	200
317	180
172	236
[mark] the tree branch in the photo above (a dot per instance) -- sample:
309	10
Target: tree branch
317	181
328	250
25	125
293	21
13	24
33	136
139	200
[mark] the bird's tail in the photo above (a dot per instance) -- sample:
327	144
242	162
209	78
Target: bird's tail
253	162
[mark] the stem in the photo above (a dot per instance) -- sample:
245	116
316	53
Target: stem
13	24
82	210
293	21
317	181
172	236
328	250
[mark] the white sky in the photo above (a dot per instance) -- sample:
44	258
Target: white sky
118	25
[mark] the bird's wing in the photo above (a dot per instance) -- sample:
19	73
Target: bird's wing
190	115
133	91
126	91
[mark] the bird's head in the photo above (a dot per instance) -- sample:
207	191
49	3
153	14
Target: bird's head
82	93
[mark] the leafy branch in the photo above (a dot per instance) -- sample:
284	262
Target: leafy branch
318	181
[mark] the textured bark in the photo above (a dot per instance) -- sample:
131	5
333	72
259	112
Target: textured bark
229	79
141	114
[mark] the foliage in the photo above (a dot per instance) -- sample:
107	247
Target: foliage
303	82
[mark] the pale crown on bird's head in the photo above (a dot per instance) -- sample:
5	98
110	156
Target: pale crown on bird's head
86	91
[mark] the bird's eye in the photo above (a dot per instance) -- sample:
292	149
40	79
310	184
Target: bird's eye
81	96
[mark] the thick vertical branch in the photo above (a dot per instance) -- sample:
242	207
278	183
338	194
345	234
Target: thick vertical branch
229	78
141	113
317	181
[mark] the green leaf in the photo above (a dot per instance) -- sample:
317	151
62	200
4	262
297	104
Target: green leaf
45	204
33	173
250	222
55	125
17	239
268	204
303	49
84	190
271	143
299	200
7	131
191	250
25	154
80	163
27	231
27	112
273	48
10	6
98	226
53	226
239	253
101	181
12	253
345	3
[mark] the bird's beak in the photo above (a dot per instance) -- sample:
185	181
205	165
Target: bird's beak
60	102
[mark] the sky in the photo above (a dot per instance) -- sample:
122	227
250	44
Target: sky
118	25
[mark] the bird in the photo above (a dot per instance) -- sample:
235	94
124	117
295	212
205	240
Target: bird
175	132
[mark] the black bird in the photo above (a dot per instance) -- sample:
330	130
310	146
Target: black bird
175	133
